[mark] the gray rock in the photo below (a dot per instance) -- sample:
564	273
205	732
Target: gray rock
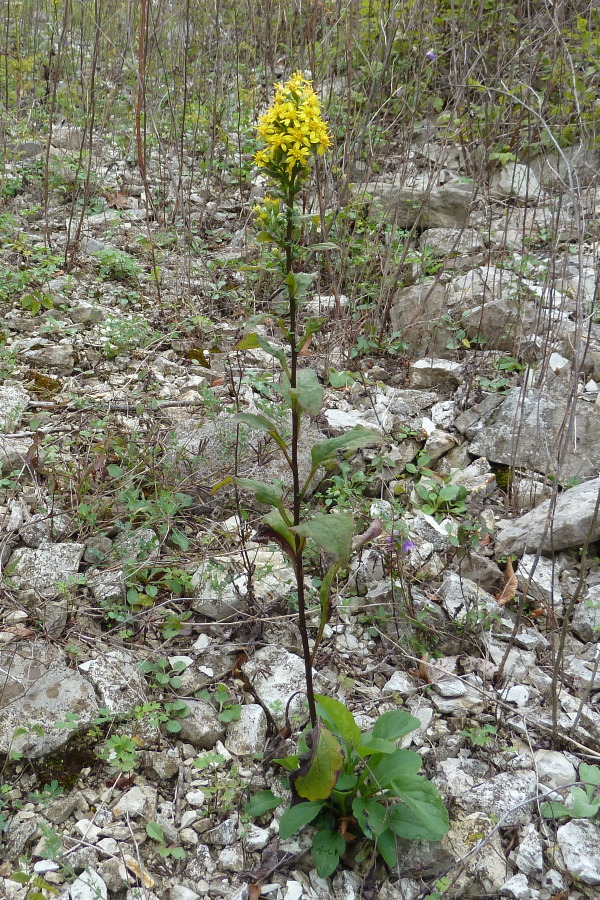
417	311
439	373
114	874
88	886
225	834
541	578
579	842
231	859
13	403
20	834
86	314
37	689
586	618
486	870
41	569
570	523
221	583
44	527
525	431
441	242
138	802
140	545
59	357
201	728
505	795
107	585
518	888
529	857
181	892
518	181
117	680
275	675
247	736
436	207
13	452
463	599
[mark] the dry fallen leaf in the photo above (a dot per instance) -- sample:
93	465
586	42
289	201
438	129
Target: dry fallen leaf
253	891
511	585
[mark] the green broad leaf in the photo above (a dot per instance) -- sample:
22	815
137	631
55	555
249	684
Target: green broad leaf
324	245
173	726
154	831
405	824
394	724
312	326
331	532
261	803
327	848
256	421
271	494
386	844
369	746
589	774
370	815
449	492
309	392
398	764
180	539
554	810
338	717
20	877
423	799
582	807
255	341
290	763
296	817
280	531
320	771
346	783
264	237
357	437
341	379
114	471
299	283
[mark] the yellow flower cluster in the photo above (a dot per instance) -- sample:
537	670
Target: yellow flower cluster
292	128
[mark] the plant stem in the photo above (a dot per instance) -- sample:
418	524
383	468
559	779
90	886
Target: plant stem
296	413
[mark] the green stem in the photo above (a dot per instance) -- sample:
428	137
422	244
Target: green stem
296	413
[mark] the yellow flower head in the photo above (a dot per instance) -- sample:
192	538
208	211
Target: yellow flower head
292	128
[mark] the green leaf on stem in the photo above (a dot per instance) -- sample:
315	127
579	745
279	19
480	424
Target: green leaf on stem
396	765
394	724
296	817
327	848
423	799
331	532
253	341
308	392
357	437
263	492
339	718
370	815
262	803
324	245
320	767
256	421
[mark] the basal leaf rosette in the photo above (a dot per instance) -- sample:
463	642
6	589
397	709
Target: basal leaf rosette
293	130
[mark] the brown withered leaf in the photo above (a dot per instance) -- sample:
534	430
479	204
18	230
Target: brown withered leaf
116	199
422	673
253	891
511	585
19	632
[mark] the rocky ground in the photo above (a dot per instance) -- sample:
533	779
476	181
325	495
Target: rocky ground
148	646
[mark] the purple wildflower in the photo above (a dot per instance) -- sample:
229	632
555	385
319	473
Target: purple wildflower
406	546
431	55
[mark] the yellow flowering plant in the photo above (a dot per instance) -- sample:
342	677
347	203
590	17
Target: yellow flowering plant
330	783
